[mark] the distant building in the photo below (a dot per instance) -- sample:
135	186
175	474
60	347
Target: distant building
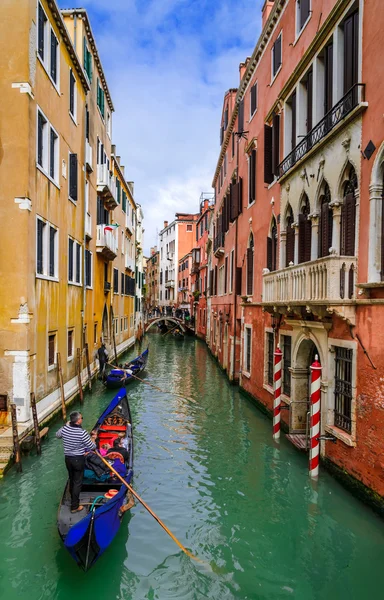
152	278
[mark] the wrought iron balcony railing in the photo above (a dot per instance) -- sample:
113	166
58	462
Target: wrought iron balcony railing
327	123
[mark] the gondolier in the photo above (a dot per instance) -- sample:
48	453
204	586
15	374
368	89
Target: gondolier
77	443
102	355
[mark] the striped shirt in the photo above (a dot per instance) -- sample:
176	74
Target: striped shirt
76	440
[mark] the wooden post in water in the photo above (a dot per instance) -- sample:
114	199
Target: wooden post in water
63	407
114	341
79	376
16	443
88	367
35	423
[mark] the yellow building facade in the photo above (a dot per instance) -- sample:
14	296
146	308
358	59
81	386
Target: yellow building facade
67	264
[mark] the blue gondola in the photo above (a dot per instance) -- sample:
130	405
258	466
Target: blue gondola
119	377
88	533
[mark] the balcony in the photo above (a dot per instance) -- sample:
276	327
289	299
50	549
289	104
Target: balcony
106	186
322	286
170	283
88	226
88	156
350	101
129	263
128	223
218	245
107	287
106	243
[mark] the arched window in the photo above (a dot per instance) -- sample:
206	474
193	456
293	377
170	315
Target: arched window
305	231
348	216
250	266
326	223
290	239
272	247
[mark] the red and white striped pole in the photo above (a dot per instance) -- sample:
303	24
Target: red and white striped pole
277	394
315	419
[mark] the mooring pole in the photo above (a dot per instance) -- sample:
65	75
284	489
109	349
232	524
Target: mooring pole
63	407
79	376
35	423
314	433
88	367
277	393
16	443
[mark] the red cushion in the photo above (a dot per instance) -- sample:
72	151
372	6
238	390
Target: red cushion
113	428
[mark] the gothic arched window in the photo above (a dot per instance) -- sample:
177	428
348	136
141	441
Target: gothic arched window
326	222
305	231
348	216
290	239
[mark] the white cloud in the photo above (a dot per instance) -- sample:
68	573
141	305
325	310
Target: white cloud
168	64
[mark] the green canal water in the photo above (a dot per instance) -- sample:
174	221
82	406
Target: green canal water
211	471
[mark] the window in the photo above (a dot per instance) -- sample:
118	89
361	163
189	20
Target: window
328	81
221	281
72	94
109	128
95	333
271	149
54	57
47	46
70	343
41	33
46	249
87	60
252	177
115	281
51	350
72	180
100	98
233	145
305	232
302	13
240	117
351	52
253	99
247	349
276	56
348	216
272	247
250	266
270	358
293	120
287	342
189	227
231	271
326	223
343	388
290	239
225	275
88	268
74	261
124	202
47	147
122	285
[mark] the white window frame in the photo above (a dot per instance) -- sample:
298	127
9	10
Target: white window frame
74	114
74	271
266	385
299	30
230	286
89	287
71	357
45	167
245	371
46	240
46	63
54	365
273	76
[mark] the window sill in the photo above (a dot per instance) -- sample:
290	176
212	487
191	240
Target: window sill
252	203
70	358
269	388
72	200
298	35
246	374
44	172
47	73
89	287
73	117
52	367
75	283
275	75
251	117
47	277
341	435
270	185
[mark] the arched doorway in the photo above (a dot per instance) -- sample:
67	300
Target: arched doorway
301	384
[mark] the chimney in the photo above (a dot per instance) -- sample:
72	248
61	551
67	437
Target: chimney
118	159
122	168
165	224
266	11
113	149
243	67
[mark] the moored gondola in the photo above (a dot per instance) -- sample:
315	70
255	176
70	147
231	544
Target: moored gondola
119	377
88	533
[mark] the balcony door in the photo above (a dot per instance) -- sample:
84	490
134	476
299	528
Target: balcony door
351	51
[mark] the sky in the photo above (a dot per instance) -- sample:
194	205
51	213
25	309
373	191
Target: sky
168	64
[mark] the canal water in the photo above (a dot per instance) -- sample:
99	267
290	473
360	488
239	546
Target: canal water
208	467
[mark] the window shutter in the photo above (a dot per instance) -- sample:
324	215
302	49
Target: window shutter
252	177
253	98
238	285
328	100
302	221
73	176
324	230
42	20
276	144
309	100
215	284
226	119
39	261
40	126
348	225
221	135
52	139
87	125
249	271
240	117
269	253
53	56
78	254
293	131
71	93
307	240
234	201
290	246
70	260
240	194
268	174
277	55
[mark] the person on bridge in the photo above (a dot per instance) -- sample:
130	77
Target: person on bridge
77	443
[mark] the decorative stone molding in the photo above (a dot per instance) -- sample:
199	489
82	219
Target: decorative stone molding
24	203
346	143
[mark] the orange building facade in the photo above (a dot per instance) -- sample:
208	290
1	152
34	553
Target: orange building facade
296	246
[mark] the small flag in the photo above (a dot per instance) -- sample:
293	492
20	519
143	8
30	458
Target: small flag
111	227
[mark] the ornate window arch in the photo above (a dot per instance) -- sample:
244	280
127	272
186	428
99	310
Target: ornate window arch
290	237
348	215
272	246
326	222
305	231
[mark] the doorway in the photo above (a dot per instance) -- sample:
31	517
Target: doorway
301	386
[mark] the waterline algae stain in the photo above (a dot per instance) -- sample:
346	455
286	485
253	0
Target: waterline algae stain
212	473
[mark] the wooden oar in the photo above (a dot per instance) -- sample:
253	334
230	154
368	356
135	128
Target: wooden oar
151	384
169	331
148	509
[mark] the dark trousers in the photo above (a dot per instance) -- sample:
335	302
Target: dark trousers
75	467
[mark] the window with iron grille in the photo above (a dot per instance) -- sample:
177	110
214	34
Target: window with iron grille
343	388
248	347
270	351
51	349
287	364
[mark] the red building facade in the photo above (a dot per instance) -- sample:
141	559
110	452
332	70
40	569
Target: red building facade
297	235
